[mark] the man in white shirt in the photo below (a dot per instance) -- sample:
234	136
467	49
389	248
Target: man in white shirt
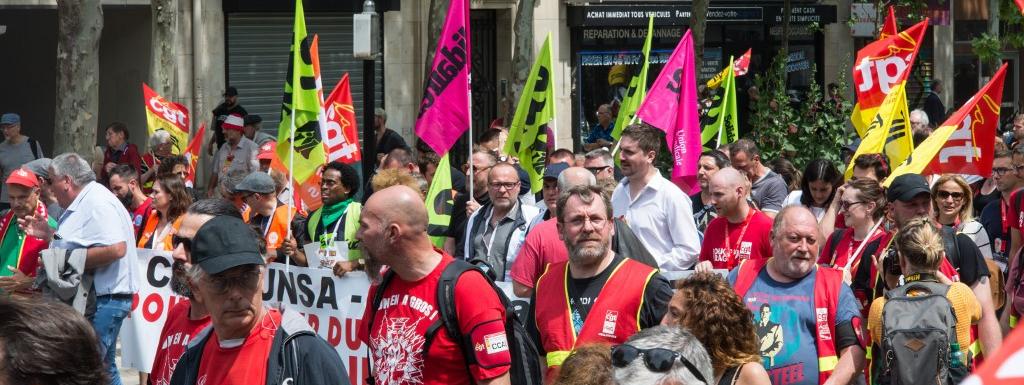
93	219
657	210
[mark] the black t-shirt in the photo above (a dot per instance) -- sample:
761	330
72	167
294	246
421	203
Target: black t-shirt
702	214
583	292
992	221
390	141
966	258
219	114
982	201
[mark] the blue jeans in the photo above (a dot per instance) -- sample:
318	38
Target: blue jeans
110	312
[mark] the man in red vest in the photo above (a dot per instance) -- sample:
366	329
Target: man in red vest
597	296
805	305
19	253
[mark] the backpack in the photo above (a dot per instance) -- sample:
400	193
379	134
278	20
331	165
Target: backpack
526	368
919	341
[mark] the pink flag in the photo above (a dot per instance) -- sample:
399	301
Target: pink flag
671	105
444	112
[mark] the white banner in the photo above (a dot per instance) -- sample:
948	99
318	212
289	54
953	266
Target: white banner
332	305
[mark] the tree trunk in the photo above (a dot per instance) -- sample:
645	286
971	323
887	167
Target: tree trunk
79	25
162	68
438	14
787	9
522	55
993	30
698	21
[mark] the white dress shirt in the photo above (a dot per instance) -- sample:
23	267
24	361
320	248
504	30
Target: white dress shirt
662	217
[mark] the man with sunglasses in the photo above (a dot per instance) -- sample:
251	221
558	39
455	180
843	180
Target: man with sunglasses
495	232
248	343
662	355
272	219
601	163
812	305
597	295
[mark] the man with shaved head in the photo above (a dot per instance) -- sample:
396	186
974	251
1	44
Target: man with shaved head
393	232
797	303
495	232
739	232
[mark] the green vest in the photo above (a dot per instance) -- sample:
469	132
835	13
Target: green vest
351	218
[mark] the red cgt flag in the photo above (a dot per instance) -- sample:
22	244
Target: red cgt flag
1007	366
890	27
340	134
192	155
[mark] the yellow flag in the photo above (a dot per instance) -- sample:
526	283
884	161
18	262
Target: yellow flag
300	109
889	131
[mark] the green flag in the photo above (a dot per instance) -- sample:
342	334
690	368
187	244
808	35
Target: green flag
637	88
440	201
300	99
527	137
723	129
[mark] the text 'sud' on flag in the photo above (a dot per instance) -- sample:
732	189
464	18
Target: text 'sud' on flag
528	133
965	142
722	124
879	67
444	113
166	116
306	153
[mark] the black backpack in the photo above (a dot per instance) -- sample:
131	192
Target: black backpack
526	368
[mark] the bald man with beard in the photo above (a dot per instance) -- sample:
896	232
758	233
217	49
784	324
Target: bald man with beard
740	231
393	233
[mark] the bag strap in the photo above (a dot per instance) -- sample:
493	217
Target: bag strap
378	296
34	146
866	260
833	243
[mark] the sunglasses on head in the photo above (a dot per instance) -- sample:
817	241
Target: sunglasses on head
657	360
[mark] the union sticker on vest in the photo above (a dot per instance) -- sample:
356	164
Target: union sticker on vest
609	322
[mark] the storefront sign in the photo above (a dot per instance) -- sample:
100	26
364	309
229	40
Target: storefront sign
679	15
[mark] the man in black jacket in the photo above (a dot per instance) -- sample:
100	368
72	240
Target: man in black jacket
247	343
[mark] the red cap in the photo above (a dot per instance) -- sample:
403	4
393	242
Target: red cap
233	122
267	151
23	177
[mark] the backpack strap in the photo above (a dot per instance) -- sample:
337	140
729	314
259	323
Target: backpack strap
378	296
32	144
866	261
833	243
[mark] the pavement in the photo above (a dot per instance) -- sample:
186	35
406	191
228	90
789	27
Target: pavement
129	376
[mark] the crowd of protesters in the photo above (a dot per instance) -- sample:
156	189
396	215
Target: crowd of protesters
768	275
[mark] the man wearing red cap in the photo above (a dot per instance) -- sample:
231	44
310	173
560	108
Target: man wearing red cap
266	155
19	253
237	152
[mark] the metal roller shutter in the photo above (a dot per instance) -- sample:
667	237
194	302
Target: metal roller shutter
257	48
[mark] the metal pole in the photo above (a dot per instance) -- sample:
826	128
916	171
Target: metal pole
369	135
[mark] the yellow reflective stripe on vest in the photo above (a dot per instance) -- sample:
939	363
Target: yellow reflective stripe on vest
975	348
826	364
557	358
1013	321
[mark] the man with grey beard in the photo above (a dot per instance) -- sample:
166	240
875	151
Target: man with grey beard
631	294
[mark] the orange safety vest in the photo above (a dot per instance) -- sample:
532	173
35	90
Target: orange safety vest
150	228
827	286
277	230
613	317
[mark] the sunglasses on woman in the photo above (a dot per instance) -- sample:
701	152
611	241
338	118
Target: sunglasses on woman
657	360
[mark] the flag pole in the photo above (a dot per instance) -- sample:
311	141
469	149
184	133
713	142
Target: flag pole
469	109
615	150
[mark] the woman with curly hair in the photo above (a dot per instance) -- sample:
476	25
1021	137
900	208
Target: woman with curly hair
708	307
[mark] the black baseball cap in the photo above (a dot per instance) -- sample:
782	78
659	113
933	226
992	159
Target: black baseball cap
223	243
231	91
907	186
252	119
554	169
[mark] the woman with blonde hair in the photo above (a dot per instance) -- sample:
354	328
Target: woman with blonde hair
708	307
953	205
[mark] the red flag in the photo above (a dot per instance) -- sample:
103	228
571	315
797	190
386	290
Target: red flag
970	147
340	131
742	64
890	27
1020	4
192	155
880	66
1007	366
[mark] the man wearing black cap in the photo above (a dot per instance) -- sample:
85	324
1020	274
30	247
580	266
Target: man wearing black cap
228	107
909	197
253	130
272	218
248	343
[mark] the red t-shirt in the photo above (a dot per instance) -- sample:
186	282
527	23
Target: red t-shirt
241	365
840	221
541	247
409	308
178	332
747	240
139	216
1016	214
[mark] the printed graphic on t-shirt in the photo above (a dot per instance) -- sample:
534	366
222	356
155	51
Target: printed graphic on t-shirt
781	339
402	344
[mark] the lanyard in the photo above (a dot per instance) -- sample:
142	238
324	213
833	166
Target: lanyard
1004	208
337	224
860	252
728	242
487	224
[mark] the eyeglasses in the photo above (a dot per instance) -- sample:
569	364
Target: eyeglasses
956	195
245	280
1001	170
579	223
1018	167
185	243
845	205
596	170
657	360
503	186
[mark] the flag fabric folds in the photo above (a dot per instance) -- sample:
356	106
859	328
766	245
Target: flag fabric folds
965	142
192	155
444	113
166	116
671	105
724	128
889	131
440	201
637	87
880	66
739	68
298	136
527	136
890	27
340	131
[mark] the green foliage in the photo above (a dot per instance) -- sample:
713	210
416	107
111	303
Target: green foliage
987	48
815	129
